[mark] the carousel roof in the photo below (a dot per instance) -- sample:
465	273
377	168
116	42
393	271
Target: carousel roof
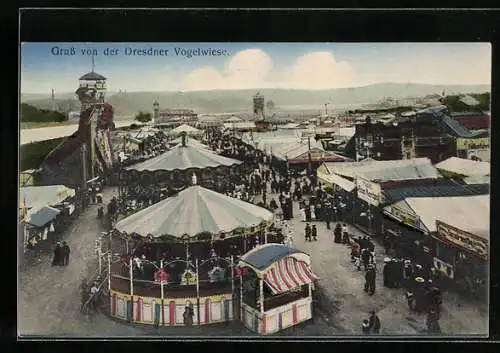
193	211
184	157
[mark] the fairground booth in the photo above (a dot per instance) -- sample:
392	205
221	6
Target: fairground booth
176	167
179	256
276	284
450	233
368	179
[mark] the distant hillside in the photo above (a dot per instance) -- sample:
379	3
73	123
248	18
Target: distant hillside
219	101
30	113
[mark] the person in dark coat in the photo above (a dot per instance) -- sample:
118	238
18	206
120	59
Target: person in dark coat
398	272
370	280
387	244
388	273
337	233
374	322
308	232
65	253
314	232
57	260
365	258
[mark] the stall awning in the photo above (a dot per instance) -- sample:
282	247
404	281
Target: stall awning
334	179
287	274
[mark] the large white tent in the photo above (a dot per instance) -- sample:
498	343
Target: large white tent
193	211
466	167
468	213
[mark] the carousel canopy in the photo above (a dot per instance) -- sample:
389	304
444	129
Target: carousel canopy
187	129
182	158
193	211
282	268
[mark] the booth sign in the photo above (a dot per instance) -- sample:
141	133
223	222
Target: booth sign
444	267
465	240
368	191
475	143
405	217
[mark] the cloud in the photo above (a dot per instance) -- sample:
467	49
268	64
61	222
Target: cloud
320	70
253	68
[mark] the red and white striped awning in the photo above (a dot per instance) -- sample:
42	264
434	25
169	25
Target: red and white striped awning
287	274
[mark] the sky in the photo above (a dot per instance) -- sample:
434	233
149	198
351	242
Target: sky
47	66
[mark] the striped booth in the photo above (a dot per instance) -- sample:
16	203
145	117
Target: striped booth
283	279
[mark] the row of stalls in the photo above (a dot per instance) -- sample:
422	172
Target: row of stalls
289	150
44	212
382	195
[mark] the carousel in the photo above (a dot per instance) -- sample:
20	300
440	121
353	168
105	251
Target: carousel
179	258
176	167
276	284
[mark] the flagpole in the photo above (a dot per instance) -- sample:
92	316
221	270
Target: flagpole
162	297
109	272
131	289
241	294
197	292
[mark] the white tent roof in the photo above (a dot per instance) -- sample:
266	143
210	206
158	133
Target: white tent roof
240	125
182	158
465	167
407	169
233	119
185	128
477	179
468	213
40	196
193	211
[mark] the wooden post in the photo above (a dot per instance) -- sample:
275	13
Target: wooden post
109	271
131	289
197	292
261	295
162	298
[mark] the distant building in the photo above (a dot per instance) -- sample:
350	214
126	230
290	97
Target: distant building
403	138
174	115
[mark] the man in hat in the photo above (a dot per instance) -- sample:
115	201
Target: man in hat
307	231
370	280
374	322
314	232
398	272
57	260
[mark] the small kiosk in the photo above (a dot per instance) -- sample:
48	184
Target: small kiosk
276	284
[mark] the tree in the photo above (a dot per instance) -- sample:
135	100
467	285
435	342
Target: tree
143	117
30	113
270	105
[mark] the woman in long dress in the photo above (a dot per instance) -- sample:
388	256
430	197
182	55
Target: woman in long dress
303	213
313	213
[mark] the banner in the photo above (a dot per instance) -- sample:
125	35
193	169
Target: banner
368	191
474	143
465	240
405	217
